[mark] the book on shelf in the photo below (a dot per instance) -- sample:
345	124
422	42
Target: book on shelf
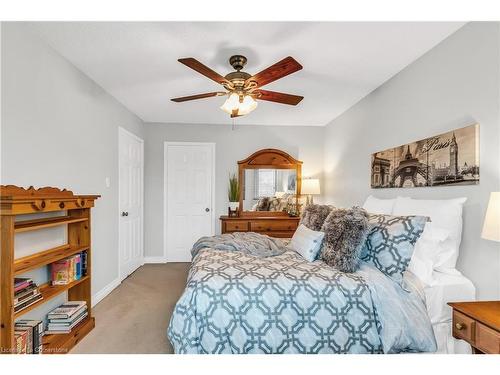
67	310
21	341
34	329
67	270
21	283
67	321
26	293
31	301
65	317
84	261
66	328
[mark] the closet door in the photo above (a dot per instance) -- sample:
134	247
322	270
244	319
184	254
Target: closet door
189	179
131	197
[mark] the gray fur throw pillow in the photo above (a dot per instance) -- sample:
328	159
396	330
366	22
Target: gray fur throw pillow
345	235
263	204
314	216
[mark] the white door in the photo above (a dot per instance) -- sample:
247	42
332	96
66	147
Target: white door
131	180
189	187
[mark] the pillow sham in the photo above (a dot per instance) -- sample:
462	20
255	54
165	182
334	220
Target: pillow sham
390	243
445	214
307	242
426	254
314	216
379	206
345	234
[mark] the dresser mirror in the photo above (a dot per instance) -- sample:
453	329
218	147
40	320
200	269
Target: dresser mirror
269	183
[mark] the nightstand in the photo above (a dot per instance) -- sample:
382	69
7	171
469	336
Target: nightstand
478	323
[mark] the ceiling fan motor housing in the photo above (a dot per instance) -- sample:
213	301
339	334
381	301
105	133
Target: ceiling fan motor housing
237	61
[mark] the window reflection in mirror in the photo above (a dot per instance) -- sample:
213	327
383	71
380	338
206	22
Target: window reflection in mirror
269	189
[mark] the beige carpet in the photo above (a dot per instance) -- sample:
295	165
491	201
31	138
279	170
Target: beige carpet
135	316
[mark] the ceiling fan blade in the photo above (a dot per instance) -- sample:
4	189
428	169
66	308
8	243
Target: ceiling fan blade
278	97
203	69
199	96
279	70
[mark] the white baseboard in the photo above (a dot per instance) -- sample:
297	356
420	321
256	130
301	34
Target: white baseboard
155	260
99	296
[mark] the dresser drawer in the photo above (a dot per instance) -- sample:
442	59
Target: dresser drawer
463	327
273	225
487	339
237	226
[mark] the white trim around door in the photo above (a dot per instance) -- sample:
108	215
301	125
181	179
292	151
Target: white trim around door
122	273
165	191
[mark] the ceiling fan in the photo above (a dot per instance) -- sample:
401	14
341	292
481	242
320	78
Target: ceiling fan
242	88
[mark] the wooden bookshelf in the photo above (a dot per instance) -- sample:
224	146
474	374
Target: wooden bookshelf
17	201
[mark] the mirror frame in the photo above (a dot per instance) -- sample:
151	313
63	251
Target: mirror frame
268	158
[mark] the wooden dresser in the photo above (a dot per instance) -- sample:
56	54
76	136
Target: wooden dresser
478	323
277	226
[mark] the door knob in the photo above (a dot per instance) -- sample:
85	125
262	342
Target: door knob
124	213
207	209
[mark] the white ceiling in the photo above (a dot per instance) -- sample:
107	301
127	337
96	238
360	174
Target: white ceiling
136	62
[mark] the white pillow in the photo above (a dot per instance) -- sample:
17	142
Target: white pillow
445	215
425	253
307	242
379	206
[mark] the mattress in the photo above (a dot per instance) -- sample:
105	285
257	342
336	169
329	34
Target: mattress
445	288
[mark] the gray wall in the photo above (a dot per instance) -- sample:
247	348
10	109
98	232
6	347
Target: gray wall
59	128
453	85
304	143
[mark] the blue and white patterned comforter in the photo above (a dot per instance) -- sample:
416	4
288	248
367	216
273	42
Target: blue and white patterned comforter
235	302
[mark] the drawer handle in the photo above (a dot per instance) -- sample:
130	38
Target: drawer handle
459	326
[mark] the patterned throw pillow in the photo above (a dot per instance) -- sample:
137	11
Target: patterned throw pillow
390	242
345	235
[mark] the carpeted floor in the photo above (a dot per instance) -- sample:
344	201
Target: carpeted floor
134	317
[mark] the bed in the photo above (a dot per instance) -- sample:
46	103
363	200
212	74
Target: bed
239	301
445	288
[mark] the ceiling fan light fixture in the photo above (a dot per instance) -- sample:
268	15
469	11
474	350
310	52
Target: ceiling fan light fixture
248	105
233	105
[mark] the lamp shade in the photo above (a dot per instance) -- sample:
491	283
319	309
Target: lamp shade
310	186
491	227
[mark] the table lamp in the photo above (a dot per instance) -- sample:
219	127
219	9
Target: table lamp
310	187
491	227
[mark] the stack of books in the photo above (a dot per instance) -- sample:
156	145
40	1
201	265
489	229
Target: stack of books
62	319
28	335
26	293
70	269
